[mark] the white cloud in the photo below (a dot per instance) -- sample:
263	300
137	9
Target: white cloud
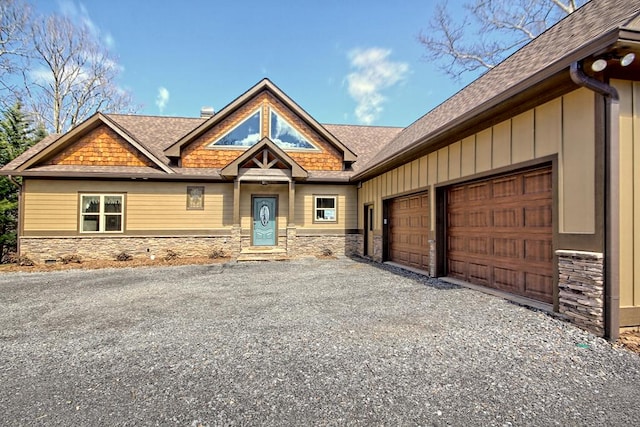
163	98
79	14
373	73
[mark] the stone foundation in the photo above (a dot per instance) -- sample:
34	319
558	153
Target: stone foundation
377	248
314	245
41	249
581	287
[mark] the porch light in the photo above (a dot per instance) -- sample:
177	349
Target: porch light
600	64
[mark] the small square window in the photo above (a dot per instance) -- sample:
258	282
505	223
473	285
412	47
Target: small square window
326	209
195	198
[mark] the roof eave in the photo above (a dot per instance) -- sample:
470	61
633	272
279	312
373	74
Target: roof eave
562	65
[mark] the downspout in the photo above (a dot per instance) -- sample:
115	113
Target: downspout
19	223
612	196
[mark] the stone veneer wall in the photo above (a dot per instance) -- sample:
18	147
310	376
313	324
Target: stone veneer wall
314	245
581	286
41	249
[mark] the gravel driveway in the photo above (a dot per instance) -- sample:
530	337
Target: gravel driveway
315	342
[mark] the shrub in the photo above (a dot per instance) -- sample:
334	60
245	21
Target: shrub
171	255
216	253
21	260
327	252
71	259
123	256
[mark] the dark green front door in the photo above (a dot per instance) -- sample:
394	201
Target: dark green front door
264	221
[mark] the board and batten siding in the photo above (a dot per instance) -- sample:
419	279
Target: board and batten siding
629	213
564	127
53	205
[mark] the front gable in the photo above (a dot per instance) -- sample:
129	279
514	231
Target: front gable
100	147
263	112
96	142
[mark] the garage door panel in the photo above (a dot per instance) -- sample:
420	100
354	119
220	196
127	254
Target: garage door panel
500	233
409	230
538	250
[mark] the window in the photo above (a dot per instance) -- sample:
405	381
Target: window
101	213
195	198
246	134
325	209
286	136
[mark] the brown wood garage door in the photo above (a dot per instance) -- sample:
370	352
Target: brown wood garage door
499	233
409	230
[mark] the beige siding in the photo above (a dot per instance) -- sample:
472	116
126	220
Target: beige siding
629	193
347	205
148	205
563	126
246	206
578	160
502	144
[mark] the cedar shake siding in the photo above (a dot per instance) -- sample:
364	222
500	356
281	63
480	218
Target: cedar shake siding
100	147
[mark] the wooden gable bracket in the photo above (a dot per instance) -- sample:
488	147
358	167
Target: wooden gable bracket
264	155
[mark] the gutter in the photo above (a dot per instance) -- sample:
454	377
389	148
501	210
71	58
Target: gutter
612	196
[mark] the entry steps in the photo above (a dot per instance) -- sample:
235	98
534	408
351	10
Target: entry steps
262	253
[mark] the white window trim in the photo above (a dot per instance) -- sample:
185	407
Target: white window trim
316	209
102	214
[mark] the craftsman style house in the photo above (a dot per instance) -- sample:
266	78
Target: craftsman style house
526	183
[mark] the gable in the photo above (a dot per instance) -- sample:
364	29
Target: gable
263	116
101	146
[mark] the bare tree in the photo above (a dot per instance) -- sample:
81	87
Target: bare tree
14	17
488	32
72	75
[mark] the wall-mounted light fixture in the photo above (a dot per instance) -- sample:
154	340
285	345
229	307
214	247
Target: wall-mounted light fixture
600	64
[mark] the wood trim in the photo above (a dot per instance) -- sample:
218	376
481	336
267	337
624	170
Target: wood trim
129	233
326	232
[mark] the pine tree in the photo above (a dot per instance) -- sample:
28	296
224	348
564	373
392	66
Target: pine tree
16	135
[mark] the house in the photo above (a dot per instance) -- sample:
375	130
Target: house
526	183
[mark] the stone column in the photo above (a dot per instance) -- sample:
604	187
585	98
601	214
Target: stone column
581	286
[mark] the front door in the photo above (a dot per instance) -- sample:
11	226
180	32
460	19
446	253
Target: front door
264	221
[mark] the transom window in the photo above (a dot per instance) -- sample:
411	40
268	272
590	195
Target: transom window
101	213
325	209
246	134
286	136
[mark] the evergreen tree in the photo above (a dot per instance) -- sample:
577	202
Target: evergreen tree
16	135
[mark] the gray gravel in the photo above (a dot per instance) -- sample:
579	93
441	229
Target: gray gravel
320	342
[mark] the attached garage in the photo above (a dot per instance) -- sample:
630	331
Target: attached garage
409	230
499	233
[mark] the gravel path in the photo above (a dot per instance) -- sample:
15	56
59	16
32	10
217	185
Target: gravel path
316	342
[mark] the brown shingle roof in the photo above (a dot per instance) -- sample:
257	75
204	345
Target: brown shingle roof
156	132
591	21
41	145
365	141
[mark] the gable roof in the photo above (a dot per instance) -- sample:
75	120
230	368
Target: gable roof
48	149
594	27
264	85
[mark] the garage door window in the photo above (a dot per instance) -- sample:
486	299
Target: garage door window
325	209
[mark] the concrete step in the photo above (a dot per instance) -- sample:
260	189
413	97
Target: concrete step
262	253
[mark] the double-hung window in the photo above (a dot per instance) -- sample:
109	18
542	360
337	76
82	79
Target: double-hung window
101	213
325	209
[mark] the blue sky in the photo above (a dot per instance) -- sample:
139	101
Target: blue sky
343	61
